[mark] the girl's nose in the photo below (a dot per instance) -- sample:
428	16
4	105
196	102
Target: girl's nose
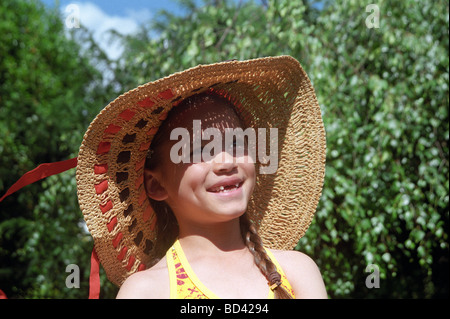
224	162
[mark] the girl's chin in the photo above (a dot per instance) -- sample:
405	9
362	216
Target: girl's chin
226	212
227	205
229	212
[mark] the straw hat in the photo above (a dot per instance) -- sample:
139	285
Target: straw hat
272	92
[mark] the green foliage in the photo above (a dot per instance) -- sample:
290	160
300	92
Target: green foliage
47	99
216	31
384	97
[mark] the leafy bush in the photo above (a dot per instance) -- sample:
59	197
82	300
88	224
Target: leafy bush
384	97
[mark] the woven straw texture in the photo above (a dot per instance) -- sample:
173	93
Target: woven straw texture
271	92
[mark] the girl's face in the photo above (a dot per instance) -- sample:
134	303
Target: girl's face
211	191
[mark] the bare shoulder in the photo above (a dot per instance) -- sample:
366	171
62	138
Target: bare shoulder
152	283
302	272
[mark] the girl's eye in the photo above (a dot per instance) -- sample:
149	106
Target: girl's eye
238	144
234	143
196	151
197	154
237	147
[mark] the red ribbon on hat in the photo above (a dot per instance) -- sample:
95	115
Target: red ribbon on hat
2	295
94	277
41	172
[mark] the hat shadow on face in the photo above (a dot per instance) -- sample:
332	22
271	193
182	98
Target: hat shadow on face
183	115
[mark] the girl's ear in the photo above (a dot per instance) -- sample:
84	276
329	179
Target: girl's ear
153	187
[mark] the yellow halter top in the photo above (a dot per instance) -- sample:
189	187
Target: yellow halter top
184	284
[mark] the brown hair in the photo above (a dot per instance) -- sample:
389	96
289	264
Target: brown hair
167	225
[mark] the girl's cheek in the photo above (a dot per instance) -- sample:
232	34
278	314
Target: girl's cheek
195	173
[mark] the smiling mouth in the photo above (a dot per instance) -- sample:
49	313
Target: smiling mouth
225	188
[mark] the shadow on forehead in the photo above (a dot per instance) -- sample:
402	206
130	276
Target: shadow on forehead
212	109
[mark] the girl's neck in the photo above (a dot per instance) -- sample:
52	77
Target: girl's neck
212	239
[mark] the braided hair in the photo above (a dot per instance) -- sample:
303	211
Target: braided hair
262	260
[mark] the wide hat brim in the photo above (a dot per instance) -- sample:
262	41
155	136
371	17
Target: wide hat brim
272	92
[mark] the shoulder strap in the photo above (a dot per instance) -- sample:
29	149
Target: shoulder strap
172	273
284	281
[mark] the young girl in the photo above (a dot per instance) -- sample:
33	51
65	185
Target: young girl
223	226
215	243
